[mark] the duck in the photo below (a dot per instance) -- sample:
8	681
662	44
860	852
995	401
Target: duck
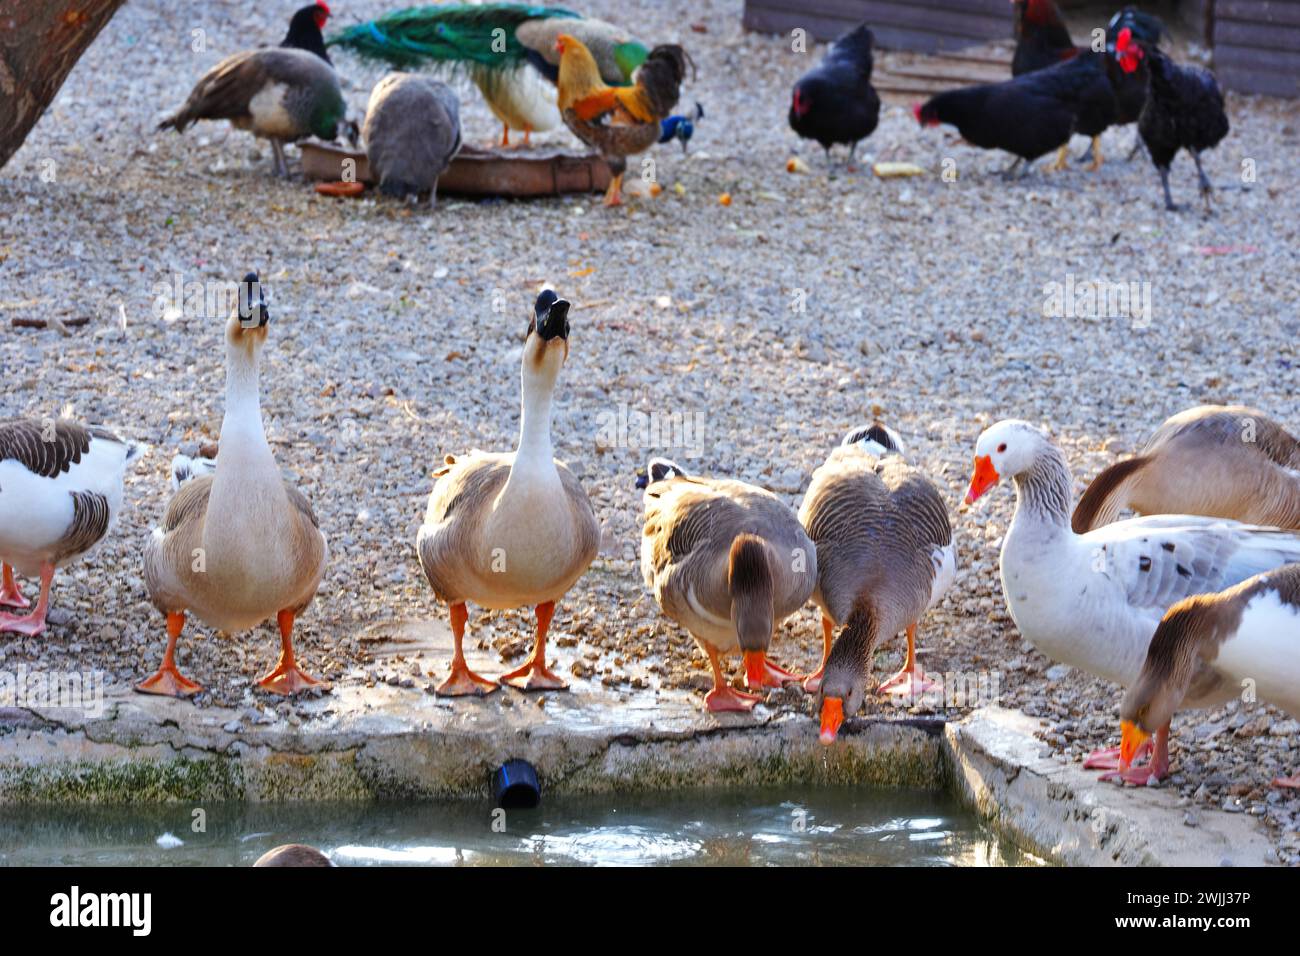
507	49
1094	601
412	133
1248	632
511	529
1221	461
281	94
885	554
61	490
728	561
239	546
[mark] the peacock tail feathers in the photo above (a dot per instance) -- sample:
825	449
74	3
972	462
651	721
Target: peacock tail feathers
480	38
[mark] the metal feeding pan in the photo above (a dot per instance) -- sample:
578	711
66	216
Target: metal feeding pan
482	172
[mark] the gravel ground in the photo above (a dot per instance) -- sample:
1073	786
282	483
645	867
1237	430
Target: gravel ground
397	334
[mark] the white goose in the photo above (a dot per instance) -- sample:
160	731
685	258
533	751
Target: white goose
1248	632
238	546
514	529
1093	601
60	491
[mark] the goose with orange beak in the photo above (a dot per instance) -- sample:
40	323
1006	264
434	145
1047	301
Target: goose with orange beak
727	561
1094	601
1248	632
885	555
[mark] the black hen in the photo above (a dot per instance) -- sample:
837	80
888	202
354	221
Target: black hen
835	102
1032	114
1042	38
1184	109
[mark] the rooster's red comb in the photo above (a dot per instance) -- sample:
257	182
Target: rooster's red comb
324	7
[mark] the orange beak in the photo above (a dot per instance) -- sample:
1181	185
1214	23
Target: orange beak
832	717
985	477
755	668
1131	738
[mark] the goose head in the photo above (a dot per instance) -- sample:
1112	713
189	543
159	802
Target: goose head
876	439
1168	671
547	345
842	691
1005	450
658	469
247	326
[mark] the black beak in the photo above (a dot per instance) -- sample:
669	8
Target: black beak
642	481
253	312
555	322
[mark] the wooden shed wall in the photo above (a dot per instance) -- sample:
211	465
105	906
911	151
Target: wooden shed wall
926	25
1257	45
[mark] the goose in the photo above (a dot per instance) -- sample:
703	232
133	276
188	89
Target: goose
505	530
1221	461
1249	632
411	132
239	546
727	561
885	555
60	492
293	854
282	94
1093	601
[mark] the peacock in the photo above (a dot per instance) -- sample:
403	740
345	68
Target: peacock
507	49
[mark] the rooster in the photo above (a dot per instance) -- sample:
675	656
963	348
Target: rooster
507	49
1184	109
619	121
835	102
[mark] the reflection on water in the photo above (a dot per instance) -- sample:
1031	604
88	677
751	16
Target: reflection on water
831	826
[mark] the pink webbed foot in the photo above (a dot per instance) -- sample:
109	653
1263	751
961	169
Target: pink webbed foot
812	684
32	626
909	684
10	596
1109	759
725	698
1292	783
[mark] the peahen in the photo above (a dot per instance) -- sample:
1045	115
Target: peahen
507	49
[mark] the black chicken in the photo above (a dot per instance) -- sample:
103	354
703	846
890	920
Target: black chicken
1042	38
1184	109
835	102
1032	114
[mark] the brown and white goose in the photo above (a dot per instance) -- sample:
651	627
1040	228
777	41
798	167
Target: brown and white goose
1093	601
1221	461
239	546
513	529
885	555
60	491
1250	632
727	561
282	94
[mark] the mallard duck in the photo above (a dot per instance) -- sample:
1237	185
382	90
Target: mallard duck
1093	601
60	491
412	133
727	561
239	546
282	94
1221	461
1250	632
513	529
619	121
885	555
508	50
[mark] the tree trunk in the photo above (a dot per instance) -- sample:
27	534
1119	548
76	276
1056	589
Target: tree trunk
40	42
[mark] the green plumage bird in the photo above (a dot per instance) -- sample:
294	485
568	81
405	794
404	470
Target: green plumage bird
508	49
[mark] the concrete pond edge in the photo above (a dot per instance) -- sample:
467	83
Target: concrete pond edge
141	754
